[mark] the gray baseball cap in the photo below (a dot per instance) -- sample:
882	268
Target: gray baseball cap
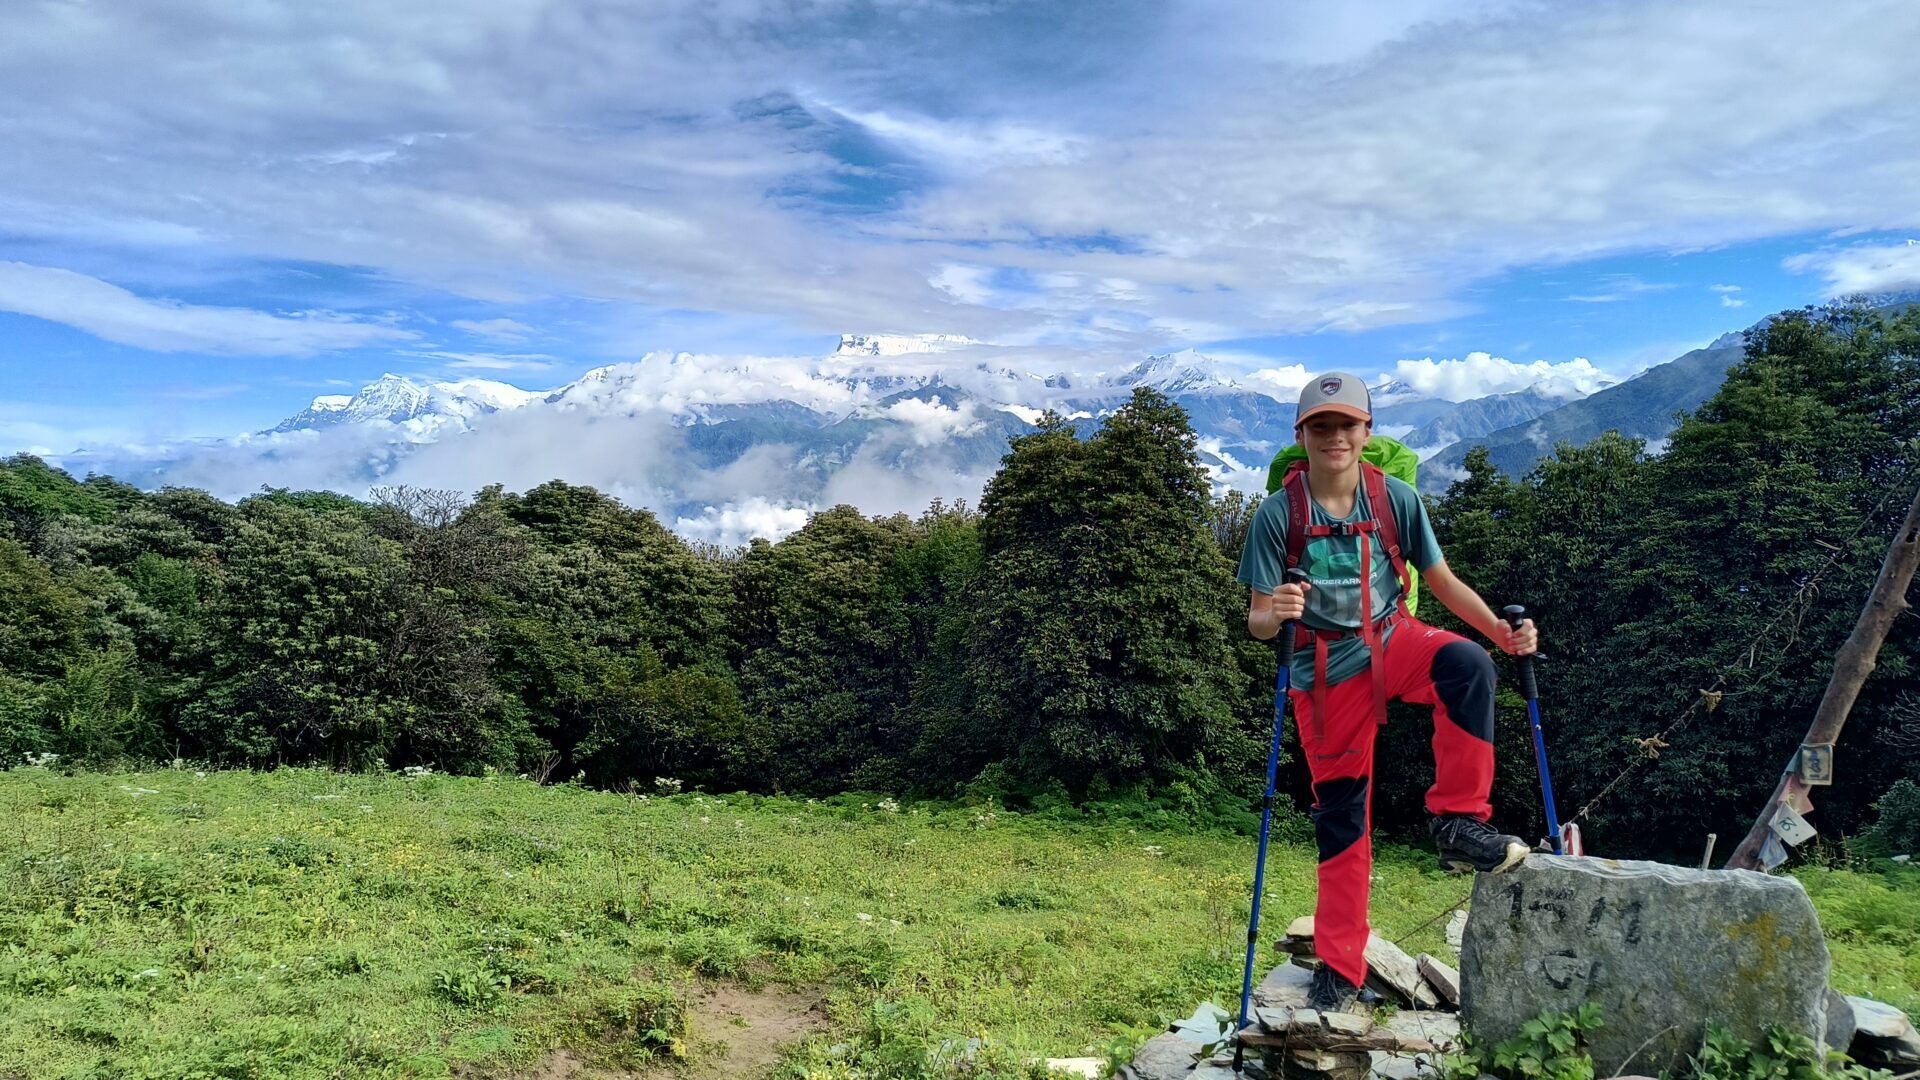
1337	392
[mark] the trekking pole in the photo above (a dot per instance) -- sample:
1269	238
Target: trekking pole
1266	819
1530	689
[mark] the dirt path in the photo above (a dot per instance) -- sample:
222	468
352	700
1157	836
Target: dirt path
737	1035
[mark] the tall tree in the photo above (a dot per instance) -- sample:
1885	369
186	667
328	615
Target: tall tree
1103	647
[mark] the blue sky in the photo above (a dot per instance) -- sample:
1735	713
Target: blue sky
211	215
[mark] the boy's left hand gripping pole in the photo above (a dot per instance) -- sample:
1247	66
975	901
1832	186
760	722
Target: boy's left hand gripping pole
1285	652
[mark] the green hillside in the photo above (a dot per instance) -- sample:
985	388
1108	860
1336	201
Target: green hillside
306	923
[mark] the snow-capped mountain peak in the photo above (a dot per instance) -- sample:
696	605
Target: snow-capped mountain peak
1391	391
396	399
1183	372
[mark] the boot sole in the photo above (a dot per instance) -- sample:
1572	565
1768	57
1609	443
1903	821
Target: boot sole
1516	854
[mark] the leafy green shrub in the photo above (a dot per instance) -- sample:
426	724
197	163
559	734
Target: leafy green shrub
1551	1046
470	988
1897	832
1783	1056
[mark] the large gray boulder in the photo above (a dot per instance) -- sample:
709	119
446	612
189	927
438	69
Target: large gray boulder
1662	949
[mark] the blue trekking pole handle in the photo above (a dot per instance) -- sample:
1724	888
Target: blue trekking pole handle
1530	689
1281	679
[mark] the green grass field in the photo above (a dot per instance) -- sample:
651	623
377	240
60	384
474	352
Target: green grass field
305	923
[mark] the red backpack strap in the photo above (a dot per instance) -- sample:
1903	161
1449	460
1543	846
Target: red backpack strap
1295	485
1381	507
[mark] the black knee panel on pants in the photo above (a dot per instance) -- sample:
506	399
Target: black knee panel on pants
1463	680
1339	814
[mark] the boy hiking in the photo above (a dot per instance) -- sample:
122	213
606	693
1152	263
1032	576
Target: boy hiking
1354	531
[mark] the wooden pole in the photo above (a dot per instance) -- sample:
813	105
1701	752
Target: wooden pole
1851	666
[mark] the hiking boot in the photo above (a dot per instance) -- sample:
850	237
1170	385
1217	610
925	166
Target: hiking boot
1329	991
1469	843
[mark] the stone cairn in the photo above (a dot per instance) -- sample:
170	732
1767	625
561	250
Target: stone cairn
1284	1038
1663	950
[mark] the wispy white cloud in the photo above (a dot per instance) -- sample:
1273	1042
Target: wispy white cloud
1868	268
492	361
1727	297
1339	166
115	314
1618	287
507	330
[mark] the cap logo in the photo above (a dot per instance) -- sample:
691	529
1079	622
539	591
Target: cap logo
1330	387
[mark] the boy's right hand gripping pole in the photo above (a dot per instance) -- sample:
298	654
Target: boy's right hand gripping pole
1530	689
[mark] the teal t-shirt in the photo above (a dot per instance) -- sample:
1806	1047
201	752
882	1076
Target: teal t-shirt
1332	564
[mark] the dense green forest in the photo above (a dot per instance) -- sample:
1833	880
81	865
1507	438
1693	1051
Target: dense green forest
1076	641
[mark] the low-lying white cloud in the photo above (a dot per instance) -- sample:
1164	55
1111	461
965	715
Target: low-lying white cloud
1479	374
929	423
1283	382
1868	268
108	311
735	523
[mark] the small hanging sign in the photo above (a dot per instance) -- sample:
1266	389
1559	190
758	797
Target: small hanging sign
1816	763
1796	796
1791	827
1772	851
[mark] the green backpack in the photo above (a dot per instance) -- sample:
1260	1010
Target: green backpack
1390	456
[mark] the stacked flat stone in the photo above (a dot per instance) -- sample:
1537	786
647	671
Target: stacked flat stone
1299	1043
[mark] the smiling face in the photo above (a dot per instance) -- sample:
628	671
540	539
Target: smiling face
1333	440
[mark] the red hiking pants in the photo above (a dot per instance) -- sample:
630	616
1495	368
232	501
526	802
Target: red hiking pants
1424	666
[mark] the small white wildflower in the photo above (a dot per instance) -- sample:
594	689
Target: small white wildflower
864	917
415	772
42	761
667	785
1154	849
704	819
199	775
323	798
889	806
365	809
177	763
